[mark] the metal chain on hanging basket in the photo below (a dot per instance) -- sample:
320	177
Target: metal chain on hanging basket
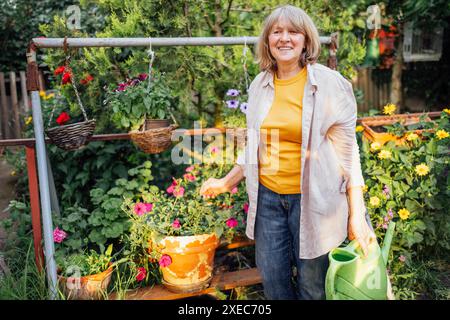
76	135
153	140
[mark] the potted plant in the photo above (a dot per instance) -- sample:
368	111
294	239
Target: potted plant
234	115
143	107
85	275
182	232
395	127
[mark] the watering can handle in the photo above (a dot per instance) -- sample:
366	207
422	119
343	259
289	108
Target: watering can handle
330	290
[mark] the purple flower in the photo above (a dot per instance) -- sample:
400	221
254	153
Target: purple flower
232	104
386	190
390	213
232	92
386	219
244	106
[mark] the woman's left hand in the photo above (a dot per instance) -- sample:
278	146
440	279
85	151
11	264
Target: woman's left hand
359	229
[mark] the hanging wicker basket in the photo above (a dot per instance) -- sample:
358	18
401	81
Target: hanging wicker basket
72	136
75	135
154	140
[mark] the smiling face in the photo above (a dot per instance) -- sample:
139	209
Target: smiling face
285	42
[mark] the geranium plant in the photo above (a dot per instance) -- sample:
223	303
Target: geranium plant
138	98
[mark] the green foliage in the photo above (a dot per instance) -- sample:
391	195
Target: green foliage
84	264
107	221
396	182
135	100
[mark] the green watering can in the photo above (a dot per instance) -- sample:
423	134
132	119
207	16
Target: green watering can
351	276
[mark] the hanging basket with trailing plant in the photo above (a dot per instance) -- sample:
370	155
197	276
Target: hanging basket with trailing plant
143	105
75	135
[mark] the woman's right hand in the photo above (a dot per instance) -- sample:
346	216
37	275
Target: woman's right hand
213	187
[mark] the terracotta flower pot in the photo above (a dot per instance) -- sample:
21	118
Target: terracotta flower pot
90	287
191	261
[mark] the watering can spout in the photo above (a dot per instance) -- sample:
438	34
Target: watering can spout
387	242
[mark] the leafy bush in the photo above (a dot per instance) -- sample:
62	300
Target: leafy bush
410	184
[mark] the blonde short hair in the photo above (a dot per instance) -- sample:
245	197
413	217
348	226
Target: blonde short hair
300	22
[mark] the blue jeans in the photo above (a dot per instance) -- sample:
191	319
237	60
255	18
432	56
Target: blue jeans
277	230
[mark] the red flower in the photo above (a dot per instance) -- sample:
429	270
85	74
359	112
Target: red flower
66	78
176	224
178	192
172	186
142	273
86	80
62	118
232	222
59	70
245	207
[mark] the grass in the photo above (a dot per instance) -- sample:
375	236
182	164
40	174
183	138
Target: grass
23	281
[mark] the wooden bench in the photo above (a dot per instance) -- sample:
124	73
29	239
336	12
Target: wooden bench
220	281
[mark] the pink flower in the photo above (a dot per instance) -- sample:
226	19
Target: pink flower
385	226
190	169
143	76
172	186
232	222
402	258
390	213
189	176
234	190
142	273
178	192
148	207
245	207
165	261
176	224
140	208
214	149
59	235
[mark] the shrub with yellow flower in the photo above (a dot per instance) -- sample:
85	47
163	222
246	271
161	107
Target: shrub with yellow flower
374	201
365	188
28	120
412	136
422	169
385	154
441	134
446	110
359	128
42	93
375	146
389	109
403	214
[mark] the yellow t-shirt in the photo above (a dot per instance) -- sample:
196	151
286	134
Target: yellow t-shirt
279	162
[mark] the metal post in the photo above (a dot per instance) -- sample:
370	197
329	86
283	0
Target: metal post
49	248
33	187
53	195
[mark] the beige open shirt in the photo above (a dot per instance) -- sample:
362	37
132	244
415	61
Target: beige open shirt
330	160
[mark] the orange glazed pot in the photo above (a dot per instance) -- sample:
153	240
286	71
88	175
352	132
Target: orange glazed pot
91	287
192	261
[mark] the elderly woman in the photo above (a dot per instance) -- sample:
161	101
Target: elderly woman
305	184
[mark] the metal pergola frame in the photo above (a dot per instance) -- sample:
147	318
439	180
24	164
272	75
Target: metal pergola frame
35	148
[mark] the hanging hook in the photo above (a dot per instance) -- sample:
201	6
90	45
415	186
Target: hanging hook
151	55
244	62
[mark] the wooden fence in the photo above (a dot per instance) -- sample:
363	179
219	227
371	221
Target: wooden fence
376	91
15	103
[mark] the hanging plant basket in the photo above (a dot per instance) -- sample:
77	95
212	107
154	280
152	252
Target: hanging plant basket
72	136
155	136
374	131
76	135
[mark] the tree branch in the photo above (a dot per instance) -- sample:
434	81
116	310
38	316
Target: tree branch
228	13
